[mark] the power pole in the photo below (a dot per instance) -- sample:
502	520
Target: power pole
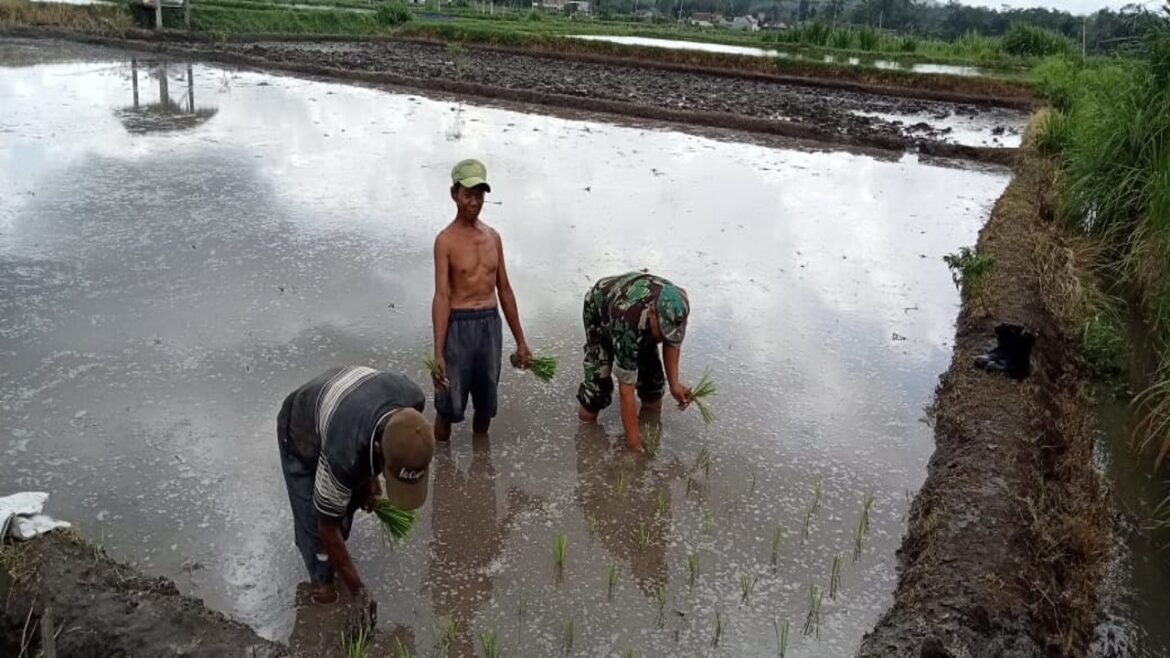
158	14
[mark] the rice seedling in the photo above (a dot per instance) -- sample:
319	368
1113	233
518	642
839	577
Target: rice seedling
521	608
662	504
692	569
429	364
401	650
835	576
781	638
812	623
653	440
620	487
356	643
559	549
591	526
631	653
450	632
543	367
396	523
615	574
643	538
777	542
818	493
693	485
807	522
746	585
752	488
660	599
567	634
861	532
708	523
701	394
717	634
489	643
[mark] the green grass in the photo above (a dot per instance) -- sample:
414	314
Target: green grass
1110	134
969	270
396	523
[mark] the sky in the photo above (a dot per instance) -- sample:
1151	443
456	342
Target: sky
1073	6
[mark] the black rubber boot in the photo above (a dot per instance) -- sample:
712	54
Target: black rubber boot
1012	354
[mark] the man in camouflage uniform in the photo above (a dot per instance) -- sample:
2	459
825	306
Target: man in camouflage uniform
626	317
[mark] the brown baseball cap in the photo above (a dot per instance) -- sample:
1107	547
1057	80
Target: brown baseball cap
408	444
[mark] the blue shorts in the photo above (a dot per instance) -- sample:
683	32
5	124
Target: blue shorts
475	340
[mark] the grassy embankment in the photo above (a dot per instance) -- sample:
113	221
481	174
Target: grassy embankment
1109	129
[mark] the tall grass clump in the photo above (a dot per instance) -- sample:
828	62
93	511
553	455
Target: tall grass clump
1113	154
1024	40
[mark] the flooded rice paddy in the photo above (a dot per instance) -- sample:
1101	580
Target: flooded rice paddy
181	245
889	64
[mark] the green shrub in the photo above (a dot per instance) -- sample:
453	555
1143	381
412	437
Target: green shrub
393	14
1024	40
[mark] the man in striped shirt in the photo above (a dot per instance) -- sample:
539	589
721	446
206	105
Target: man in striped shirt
336	434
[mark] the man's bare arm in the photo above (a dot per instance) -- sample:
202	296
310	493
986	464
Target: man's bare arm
508	303
441	306
629	412
334	545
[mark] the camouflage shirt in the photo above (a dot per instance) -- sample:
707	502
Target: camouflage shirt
618	313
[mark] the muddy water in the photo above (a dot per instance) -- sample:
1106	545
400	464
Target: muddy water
1138	578
919	67
180	246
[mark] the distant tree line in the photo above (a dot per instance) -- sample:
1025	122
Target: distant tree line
1103	31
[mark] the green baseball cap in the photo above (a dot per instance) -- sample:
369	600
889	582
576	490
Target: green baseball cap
673	309
469	174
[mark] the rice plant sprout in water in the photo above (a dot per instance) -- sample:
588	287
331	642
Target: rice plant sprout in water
615	575
701	395
746	585
489	643
835	576
567	635
396	523
451	632
781	637
812	623
717	633
560	548
653	440
861	532
521	608
662	504
692	569
591	526
401	650
660	599
818	494
777	542
643	538
620	487
708	523
356	643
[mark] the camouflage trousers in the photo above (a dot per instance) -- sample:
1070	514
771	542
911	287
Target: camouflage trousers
596	390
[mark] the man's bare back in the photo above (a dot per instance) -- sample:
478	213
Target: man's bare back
473	257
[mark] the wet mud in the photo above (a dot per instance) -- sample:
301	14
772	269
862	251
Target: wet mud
832	112
1008	538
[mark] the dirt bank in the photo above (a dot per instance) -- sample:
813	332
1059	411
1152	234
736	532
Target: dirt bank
1004	550
101	608
843	114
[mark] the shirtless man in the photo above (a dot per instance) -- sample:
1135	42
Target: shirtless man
469	279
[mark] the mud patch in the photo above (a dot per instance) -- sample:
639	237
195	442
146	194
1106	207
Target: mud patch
1008	537
102	608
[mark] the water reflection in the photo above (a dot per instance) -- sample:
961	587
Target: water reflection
467	537
627	500
166	114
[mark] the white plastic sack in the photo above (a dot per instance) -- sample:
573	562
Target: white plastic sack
21	517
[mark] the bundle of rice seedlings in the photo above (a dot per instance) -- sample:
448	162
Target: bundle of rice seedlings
428	363
544	367
700	394
396	523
